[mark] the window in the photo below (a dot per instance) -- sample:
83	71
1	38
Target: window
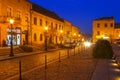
18	14
62	27
98	25
46	23
0	8
9	11
105	25
111	25
51	25
35	21
40	22
41	37
35	37
59	27
98	32
18	0
26	18
56	27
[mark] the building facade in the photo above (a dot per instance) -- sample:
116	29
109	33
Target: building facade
68	33
42	18
32	25
117	32
103	28
20	13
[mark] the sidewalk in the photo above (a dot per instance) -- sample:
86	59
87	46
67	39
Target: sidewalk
106	70
6	57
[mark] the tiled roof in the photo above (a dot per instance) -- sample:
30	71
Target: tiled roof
45	12
105	18
117	25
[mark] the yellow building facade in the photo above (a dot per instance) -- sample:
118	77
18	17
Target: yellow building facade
42	18
20	13
30	23
75	34
117	32
103	28
68	31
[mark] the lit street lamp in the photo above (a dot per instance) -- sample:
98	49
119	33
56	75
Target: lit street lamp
11	42
61	31
74	37
46	28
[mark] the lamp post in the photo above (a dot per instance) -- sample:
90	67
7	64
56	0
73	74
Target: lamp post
11	42
79	38
74	37
46	28
61	31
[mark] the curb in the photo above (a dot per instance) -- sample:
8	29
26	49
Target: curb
7	57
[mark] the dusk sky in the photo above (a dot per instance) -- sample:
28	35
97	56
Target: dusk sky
81	12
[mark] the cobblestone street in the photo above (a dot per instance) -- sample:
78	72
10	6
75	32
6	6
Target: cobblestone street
78	67
78	64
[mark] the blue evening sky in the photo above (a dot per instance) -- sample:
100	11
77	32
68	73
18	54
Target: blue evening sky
81	12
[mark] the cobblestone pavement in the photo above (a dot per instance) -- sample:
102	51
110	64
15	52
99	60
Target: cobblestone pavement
78	67
73	66
10	67
82	65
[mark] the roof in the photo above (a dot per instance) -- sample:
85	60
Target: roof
105	18
117	25
45	12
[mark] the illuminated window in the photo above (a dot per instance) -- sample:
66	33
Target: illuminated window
41	37
35	20
35	37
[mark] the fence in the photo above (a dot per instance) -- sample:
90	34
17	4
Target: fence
19	67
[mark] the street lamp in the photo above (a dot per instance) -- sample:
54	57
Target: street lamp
11	42
46	29
74	36
61	31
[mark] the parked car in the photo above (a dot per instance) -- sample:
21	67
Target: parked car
70	45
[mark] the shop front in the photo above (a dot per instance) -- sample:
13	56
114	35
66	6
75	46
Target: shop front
16	36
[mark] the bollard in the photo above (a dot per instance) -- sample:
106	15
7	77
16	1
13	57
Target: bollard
20	70
68	53
45	62
74	51
59	57
78	50
45	74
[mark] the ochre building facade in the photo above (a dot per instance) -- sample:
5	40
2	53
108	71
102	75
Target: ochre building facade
105	28
30	23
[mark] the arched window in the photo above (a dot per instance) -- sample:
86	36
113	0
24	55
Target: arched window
35	37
